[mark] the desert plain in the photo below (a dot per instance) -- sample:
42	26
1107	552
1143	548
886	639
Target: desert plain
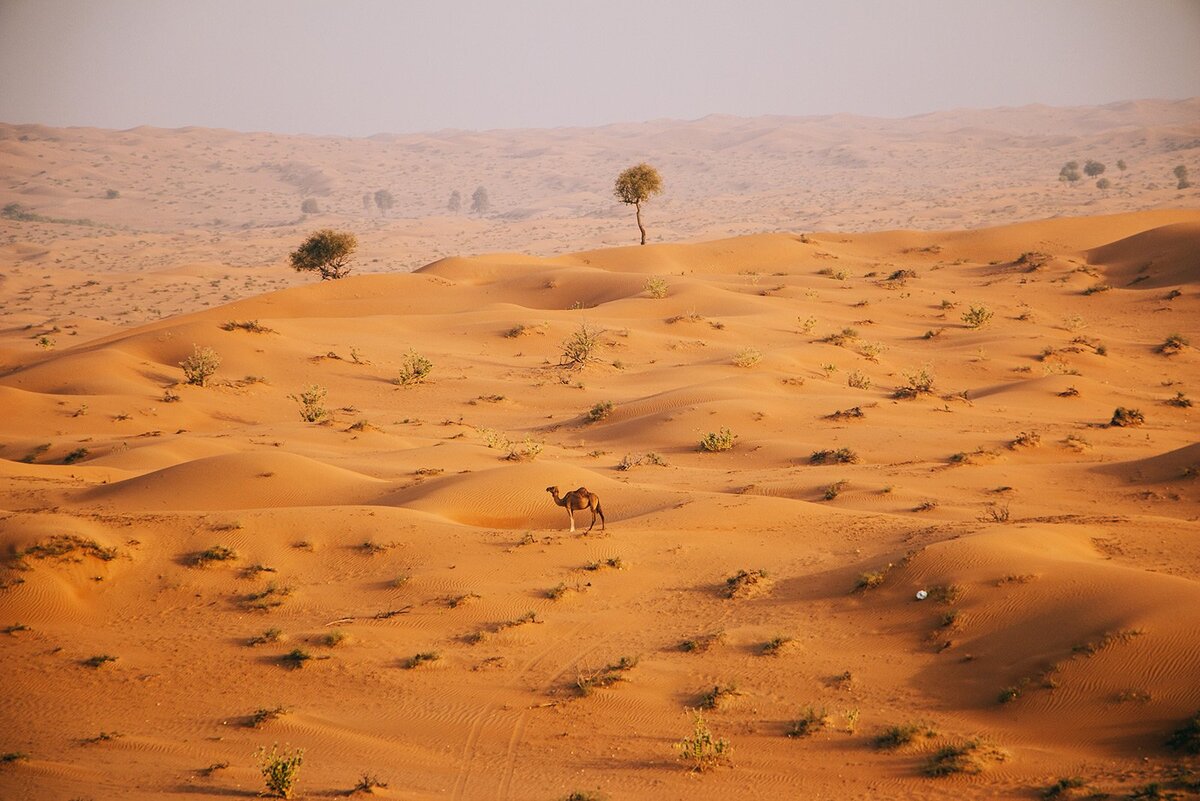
860	361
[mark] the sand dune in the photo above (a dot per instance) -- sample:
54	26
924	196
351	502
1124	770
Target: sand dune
907	410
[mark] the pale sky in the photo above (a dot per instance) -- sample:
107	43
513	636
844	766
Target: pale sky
358	67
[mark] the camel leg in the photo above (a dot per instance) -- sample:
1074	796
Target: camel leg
571	517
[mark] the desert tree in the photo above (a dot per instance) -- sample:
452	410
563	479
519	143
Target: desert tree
327	252
1181	172
479	201
1103	183
309	206
1093	168
634	186
455	202
1069	172
368	201
1121	165
384	200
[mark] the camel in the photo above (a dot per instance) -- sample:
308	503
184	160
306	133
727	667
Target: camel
579	499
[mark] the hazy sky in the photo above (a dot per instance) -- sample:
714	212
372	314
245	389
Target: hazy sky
365	66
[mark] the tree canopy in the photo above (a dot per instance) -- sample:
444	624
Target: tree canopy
327	252
636	185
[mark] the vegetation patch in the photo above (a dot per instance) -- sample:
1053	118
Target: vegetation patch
812	721
606	676
839	456
261	717
721	695
702	642
722	440
1126	418
252	326
900	735
423	658
970	757
68	546
746	584
702	751
214	553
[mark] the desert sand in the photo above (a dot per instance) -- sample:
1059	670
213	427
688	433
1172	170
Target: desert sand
919	388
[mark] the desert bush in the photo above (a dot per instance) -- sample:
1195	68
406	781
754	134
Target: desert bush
384	200
425	657
368	783
837	275
714	441
253	326
745	583
1096	289
280	770
839	456
807	324
267	598
702	751
295	658
580	348
606	676
858	380
309	206
200	365
99	660
834	489
776	645
702	642
853	413
599	411
812	721
524	451
1026	439
977	316
214	553
871	350
1173	344
414	370
917	382
630	460
1069	172
311	402
970	757
1064	788
326	252
333	638
454	204
747	357
1180	400
1181	175
263	716
1126	418
1187	737
1103	183
76	455
656	287
898	736
842	338
268	636
719	696
872	578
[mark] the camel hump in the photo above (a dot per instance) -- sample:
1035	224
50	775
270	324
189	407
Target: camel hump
583	491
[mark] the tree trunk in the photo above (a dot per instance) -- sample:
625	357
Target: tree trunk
641	227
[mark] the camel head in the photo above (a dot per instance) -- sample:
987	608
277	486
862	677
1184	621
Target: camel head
552	490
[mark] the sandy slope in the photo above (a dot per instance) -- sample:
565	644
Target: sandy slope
1061	553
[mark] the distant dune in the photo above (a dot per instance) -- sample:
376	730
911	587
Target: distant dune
908	411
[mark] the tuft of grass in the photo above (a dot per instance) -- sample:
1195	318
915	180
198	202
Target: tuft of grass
839	456
13	756
76	455
1126	418
332	639
812	721
722	440
580	795
267	598
702	642
99	660
719	696
946	593
745	584
368	784
261	717
747	357
834	489
977	316
1063	788
853	413
295	658
425	657
606	676
776	645
970	757
900	735
858	380
268	636
1180	401
253	326
871	579
842	338
1026	439
917	382
1173	344
214	553
702	751
656	287
312	403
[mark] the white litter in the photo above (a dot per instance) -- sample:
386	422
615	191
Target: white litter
922	595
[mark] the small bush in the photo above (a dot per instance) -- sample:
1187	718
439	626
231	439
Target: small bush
722	440
580	348
776	645
309	206
332	639
702	642
1187	738
894	737
656	287
630	460
264	716
295	658
280	770
268	636
845	337
200	366
99	660
252	326
1126	418
858	380
872	578
970	757
917	382
368	784
811	722
1180	400
834	489
606	676
425	657
76	455
214	553
839	456
312	403
702	751
1063	788
1173	344
746	583
599	412
977	316
415	370
1026	439
747	357
718	696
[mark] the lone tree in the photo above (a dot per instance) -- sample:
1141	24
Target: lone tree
384	200
455	203
1181	172
1093	168
309	206
327	252
635	186
479	201
1069	172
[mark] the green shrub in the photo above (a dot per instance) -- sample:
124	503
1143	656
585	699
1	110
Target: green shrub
722	440
1126	418
811	722
599	412
580	348
280	770
415	370
312	403
657	287
200	366
977	316
702	751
